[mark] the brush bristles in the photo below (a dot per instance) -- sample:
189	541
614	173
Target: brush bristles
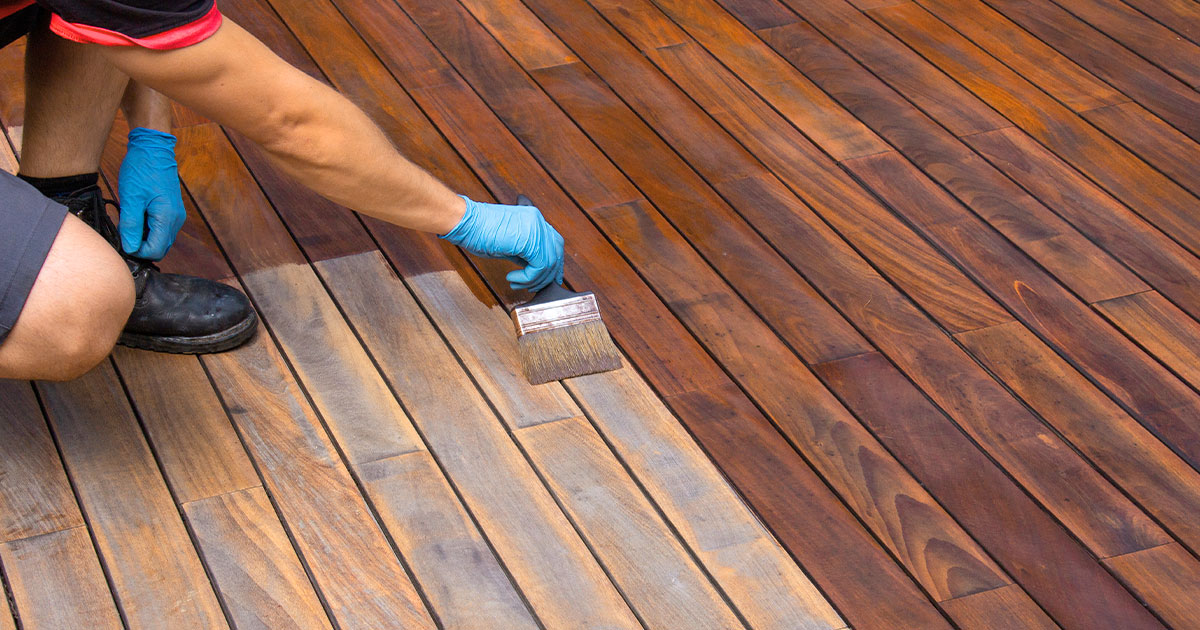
551	355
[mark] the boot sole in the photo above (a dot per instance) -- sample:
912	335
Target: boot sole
227	339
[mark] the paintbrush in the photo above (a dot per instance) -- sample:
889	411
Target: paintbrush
560	334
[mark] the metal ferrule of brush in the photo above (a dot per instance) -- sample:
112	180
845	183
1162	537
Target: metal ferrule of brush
555	307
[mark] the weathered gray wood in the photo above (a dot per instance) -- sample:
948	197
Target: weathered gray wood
253	565
35	496
156	573
548	561
57	583
189	430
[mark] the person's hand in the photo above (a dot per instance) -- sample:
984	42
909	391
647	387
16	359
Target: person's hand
517	233
151	204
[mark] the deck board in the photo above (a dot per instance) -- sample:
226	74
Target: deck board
908	295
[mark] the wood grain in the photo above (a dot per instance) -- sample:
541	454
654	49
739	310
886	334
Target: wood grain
1161	329
1128	178
156	575
1037	231
1162	262
1175	154
548	561
1156	478
459	571
6	618
194	442
1041	552
57	582
627	413
1154	395
1007	608
362	581
1182	16
1166	578
255	569
36	497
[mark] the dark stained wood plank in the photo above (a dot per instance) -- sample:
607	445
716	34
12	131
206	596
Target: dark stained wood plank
1166	578
1153	41
156	575
459	571
352	564
1162	262
252	562
12	96
1155	396
57	583
762	582
1161	329
756	14
1044	236
802	103
1029	56
549	563
1155	477
195	444
36	497
1182	16
1128	178
1173	100
1039	551
1157	142
1012	609
957	302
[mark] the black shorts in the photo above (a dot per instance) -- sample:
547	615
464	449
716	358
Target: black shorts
29	223
18	25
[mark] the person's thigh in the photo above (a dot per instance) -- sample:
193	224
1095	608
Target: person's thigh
65	293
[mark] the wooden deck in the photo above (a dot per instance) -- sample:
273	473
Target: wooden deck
909	294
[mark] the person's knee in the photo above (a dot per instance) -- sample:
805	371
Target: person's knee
74	314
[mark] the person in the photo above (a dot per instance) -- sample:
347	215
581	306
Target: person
73	283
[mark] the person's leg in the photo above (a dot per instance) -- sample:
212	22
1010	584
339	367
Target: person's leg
74	312
71	97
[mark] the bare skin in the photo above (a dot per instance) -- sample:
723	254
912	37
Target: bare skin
84	292
311	132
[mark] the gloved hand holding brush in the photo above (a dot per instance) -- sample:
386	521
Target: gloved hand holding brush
516	233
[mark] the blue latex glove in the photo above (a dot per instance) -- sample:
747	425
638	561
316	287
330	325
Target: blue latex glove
151	204
516	233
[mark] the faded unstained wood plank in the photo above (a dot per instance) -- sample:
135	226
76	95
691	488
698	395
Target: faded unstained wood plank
658	576
1157	142
756	574
35	496
1029	56
1127	177
8	161
252	562
802	103
1157	478
194	442
1038	550
6	619
551	565
1161	328
934	283
363	583
1167	579
1155	396
1162	262
458	570
1044	236
156	575
57	583
1006	608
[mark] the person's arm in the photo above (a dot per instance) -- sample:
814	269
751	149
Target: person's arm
312	133
152	209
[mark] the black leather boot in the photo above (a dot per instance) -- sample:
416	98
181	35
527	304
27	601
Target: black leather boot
173	313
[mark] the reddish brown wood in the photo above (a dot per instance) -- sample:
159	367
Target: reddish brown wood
1167	579
1161	329
1157	142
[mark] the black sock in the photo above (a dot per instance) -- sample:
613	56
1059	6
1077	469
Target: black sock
54	186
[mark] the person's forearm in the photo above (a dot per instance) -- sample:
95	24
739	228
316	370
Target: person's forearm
144	107
310	131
